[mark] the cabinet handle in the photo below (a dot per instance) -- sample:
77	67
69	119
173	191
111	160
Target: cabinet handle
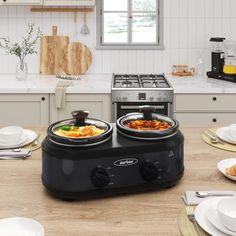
43	98
214	98
4	0
214	120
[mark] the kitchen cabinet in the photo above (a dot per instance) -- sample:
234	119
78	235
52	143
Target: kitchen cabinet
24	110
21	2
205	109
98	105
69	2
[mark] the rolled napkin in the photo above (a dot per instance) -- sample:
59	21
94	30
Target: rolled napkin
190	197
16	153
60	92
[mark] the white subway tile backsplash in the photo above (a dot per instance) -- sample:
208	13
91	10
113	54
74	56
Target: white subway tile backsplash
226	5
200	9
233	9
192	9
167	32
218	8
3	12
174	31
233	27
218	26
183	8
200	33
209	8
12	12
188	26
174	8
183	33
167	7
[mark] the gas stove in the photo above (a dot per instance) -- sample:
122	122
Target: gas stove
140	81
132	90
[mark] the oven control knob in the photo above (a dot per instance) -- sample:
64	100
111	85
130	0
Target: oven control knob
149	171
100	177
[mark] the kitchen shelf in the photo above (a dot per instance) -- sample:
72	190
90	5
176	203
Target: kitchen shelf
62	9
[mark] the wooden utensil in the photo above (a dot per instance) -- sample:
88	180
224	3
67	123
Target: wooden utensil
79	58
53	54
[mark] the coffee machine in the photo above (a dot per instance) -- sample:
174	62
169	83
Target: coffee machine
223	60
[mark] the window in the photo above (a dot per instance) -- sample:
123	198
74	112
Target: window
129	24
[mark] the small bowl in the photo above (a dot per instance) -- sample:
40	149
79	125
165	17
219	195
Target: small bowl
227	212
10	135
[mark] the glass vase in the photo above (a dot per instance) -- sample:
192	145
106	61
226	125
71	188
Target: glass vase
21	70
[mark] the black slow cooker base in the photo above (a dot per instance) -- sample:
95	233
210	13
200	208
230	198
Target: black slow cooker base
101	193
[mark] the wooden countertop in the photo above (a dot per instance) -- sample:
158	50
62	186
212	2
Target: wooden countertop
152	214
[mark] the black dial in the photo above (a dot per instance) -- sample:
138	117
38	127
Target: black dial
149	171
100	177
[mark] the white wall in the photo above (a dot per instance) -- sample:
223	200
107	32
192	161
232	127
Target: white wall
188	25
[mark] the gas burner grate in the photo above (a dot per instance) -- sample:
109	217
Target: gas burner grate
153	81
139	81
126	81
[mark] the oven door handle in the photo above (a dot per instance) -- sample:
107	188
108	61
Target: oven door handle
126	107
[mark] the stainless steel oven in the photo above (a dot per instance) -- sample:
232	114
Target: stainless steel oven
131	91
122	108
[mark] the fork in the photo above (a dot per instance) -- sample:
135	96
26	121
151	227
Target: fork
191	217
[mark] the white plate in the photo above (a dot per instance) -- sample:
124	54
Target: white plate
226	163
201	218
223	133
23	139
20	226
213	217
28	137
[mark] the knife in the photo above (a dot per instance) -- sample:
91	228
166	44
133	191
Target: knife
214	136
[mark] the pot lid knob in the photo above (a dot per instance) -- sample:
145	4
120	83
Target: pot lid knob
80	117
147	112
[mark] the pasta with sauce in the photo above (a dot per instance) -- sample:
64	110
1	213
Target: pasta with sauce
148	125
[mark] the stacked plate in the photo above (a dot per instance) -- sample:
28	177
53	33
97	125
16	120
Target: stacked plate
15	136
207	216
20	226
227	133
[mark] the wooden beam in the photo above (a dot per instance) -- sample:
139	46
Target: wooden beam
63	9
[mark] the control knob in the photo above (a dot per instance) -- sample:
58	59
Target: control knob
100	177
149	171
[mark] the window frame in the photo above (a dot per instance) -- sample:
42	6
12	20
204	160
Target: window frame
127	46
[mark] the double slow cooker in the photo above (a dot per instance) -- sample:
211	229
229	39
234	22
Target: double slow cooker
118	160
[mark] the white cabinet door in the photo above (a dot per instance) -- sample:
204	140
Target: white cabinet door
24	110
205	109
98	105
205	102
69	2
21	2
202	119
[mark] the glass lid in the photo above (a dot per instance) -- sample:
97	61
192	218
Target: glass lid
80	130
147	124
147	120
80	126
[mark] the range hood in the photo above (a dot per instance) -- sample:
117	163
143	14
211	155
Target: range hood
83	3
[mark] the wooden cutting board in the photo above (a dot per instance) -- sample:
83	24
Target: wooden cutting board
79	58
53	54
